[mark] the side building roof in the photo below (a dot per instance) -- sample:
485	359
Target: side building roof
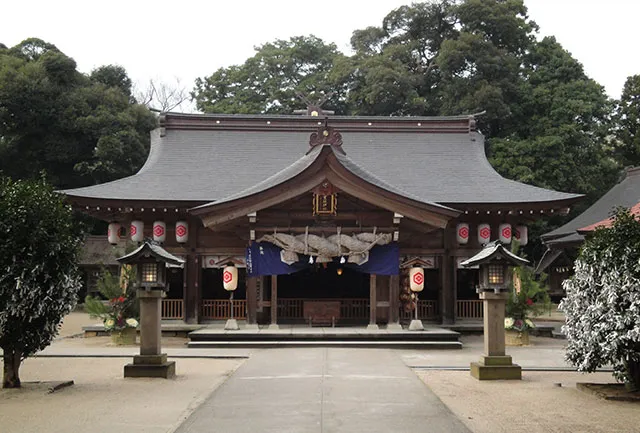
206	158
625	193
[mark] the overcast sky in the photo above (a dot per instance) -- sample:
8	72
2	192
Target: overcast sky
188	39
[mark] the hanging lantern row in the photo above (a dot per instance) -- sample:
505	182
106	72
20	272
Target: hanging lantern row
159	231
505	233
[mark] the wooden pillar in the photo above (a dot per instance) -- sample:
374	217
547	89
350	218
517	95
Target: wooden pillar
394	295
252	301
447	299
191	290
373	302
192	276
274	300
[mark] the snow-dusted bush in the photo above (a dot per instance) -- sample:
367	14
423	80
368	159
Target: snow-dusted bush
602	305
38	273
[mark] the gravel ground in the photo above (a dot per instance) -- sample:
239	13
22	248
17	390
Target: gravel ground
102	400
532	405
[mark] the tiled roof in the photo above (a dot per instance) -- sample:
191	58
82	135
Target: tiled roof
635	210
442	164
625	193
305	162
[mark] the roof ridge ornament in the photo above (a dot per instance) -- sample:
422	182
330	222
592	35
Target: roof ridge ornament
314	109
326	135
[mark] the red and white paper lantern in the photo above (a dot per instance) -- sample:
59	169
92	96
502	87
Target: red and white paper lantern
113	233
416	279
136	230
462	233
182	232
230	278
484	233
159	231
521	234
505	233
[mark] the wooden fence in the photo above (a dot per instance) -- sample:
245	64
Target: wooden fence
469	309
215	309
293	308
426	310
172	309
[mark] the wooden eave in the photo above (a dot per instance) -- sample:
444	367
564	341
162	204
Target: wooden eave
326	167
113	209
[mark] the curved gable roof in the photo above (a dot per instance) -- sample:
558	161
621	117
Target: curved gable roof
204	158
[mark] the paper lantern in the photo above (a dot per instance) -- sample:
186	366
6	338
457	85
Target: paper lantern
521	234
136	230
484	233
159	231
416	279
462	233
230	278
505	233
113	233
182	232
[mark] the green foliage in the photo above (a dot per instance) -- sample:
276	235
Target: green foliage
627	146
39	249
602	306
269	81
121	303
79	130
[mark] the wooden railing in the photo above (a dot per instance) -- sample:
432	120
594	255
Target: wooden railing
221	309
290	308
172	309
356	308
469	309
426	310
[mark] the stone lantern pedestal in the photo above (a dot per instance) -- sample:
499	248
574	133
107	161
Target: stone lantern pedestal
494	364
150	260
493	289
150	362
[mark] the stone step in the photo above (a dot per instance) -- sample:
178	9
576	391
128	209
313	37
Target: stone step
436	345
326	335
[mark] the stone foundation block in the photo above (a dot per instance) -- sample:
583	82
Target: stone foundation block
166	370
481	371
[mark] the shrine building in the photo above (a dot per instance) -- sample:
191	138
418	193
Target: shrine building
323	216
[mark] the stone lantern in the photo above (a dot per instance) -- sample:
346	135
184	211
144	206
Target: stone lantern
495	263
151	262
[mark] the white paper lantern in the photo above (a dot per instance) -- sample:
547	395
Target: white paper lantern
182	232
521	234
484	233
136	230
113	233
416	279
159	231
462	233
230	278
505	233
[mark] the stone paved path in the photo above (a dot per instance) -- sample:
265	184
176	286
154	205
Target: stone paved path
324	390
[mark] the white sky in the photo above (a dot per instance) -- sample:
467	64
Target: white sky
188	39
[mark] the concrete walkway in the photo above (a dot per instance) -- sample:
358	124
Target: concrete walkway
323	390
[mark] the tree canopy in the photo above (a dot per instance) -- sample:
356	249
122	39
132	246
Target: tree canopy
546	122
628	123
39	247
79	129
